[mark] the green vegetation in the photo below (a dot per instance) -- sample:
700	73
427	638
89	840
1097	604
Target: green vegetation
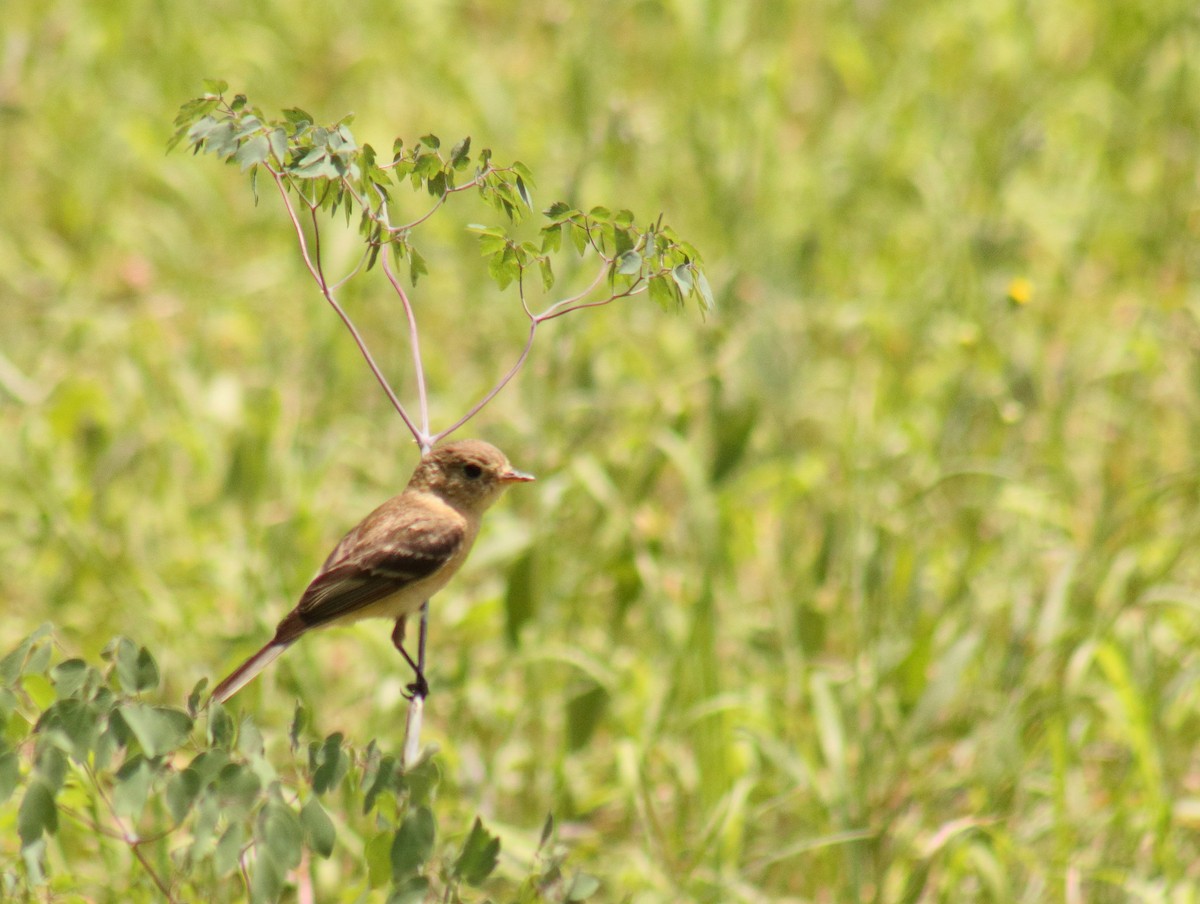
880	585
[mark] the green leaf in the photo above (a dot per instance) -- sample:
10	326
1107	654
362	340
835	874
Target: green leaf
431	141
328	763
221	140
683	278
319	832
300	721
37	814
413	843
15	663
416	264
50	764
480	229
460	154
136	669
706	296
74	724
221	731
107	744
203	825
523	171
559	210
266	880
320	168
10	774
524	193
600	214
253	152
280	831
378	854
421	781
297	117
228	852
479	855
584	711
208	765
579	238
37	685
547	273
39	659
664	292
552	238
198	131
215	86
381	778
277	138
194	698
503	267
413	890
629	263
249	739
158	729
69	676
180	793
238	790
131	787
492	239
519	597
8	705
344	137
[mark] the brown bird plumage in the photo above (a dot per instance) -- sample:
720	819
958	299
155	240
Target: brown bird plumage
399	555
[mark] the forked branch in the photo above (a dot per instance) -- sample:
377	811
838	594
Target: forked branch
322	170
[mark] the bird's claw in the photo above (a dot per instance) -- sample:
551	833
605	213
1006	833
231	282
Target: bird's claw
418	688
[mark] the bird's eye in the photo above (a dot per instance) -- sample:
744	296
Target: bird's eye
473	472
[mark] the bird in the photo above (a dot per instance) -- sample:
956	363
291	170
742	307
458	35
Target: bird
398	556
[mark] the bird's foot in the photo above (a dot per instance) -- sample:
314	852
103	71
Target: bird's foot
418	688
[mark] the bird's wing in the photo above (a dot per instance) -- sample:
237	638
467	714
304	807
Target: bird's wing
378	559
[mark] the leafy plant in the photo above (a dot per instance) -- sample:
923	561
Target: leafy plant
323	170
181	801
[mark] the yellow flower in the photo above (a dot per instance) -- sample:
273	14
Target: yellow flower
1020	291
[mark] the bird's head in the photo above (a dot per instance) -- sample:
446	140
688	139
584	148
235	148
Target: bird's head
469	474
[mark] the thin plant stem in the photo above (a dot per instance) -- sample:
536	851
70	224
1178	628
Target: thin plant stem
131	840
549	313
412	729
421	639
341	313
416	706
354	272
414	341
512	372
592	304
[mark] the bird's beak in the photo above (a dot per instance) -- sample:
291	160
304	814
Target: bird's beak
514	476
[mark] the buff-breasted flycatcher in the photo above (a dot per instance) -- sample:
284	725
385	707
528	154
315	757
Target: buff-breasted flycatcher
399	555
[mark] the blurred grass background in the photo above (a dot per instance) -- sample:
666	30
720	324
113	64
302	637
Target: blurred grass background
881	585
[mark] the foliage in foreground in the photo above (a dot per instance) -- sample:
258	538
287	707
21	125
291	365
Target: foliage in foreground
186	804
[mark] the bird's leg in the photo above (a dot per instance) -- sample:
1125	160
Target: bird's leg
419	687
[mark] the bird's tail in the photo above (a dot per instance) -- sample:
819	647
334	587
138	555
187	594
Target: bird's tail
246	672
